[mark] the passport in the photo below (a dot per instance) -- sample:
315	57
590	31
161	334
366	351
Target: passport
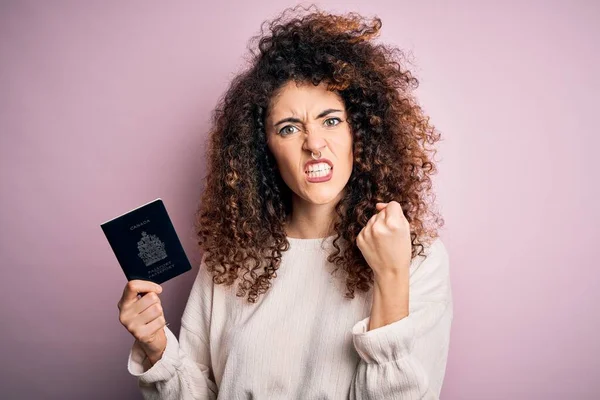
146	244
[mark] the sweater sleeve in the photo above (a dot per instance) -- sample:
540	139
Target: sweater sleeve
184	370
407	358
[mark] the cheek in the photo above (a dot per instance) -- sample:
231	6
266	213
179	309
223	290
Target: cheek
284	163
346	150
275	152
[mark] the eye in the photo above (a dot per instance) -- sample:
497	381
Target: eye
333	119
284	128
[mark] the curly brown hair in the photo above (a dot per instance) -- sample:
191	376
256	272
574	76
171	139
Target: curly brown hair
243	209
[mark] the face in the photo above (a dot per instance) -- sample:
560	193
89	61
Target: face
309	118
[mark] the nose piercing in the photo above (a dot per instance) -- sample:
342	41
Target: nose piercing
313	155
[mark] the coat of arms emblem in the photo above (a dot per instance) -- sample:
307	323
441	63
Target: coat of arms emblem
151	249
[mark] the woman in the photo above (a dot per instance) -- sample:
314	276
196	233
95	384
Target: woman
323	276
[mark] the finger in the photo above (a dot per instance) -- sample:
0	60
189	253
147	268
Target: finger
380	206
393	212
150	313
138	286
129	312
381	215
153	326
367	230
371	221
143	303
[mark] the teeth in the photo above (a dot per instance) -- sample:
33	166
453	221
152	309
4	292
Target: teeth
319	167
318	174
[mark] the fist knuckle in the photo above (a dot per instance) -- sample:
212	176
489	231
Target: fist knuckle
130	286
134	331
395	225
379	230
138	333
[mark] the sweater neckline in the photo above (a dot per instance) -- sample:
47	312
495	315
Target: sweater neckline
308	244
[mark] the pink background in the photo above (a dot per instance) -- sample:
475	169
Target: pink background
104	105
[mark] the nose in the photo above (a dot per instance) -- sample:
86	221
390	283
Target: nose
314	142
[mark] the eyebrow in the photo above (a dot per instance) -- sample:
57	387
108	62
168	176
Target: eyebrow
292	119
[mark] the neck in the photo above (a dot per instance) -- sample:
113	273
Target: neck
310	221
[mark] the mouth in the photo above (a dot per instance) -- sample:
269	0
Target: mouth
319	172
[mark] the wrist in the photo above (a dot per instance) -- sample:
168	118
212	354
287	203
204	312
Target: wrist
153	358
392	280
390	300
155	351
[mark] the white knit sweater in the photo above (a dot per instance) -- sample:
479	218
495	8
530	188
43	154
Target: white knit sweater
303	339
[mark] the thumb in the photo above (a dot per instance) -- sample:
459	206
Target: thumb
380	206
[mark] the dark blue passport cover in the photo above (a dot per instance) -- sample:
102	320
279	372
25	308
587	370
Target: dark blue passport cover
146	244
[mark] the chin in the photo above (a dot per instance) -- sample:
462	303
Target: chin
321	201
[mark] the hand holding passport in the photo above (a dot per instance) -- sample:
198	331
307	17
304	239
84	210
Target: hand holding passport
146	244
148	250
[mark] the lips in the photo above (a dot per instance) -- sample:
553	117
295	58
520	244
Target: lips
319	161
320	178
